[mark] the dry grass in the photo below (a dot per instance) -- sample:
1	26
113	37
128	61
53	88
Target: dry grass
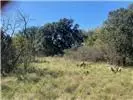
55	78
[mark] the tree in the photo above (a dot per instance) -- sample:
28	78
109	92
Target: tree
8	54
115	37
118	35
11	53
93	36
31	34
57	36
23	42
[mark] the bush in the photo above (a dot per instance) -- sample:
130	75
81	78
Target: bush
7	54
85	54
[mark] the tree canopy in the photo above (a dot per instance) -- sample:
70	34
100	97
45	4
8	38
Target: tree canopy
57	36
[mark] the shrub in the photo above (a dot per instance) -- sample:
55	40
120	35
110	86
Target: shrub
85	54
8	59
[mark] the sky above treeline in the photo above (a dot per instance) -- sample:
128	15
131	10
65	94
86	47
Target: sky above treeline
88	14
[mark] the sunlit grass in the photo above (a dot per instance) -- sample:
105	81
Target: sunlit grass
55	78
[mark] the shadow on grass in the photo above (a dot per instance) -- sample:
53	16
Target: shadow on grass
130	66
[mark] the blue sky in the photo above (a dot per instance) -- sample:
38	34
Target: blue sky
87	14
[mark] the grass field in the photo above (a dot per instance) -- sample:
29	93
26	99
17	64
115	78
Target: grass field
55	78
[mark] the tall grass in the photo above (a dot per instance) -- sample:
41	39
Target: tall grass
55	78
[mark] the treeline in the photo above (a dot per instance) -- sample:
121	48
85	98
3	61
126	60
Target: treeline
48	40
113	42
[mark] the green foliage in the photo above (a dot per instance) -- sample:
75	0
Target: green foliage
57	36
115	37
118	33
7	54
31	34
93	36
23	49
25	45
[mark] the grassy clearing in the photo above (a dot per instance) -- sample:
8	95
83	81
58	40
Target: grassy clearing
54	78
